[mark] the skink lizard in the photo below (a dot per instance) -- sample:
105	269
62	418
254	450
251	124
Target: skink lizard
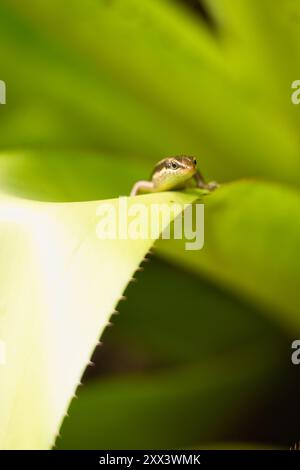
173	173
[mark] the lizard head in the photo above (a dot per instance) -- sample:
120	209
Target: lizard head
173	172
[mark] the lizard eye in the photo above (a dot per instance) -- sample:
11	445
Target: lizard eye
195	161
174	165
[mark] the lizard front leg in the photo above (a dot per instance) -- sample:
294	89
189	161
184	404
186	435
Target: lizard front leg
200	182
144	186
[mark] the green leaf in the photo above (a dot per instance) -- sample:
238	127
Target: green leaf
252	246
59	285
160	81
68	176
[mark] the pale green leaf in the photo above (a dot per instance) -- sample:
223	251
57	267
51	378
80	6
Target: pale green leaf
59	285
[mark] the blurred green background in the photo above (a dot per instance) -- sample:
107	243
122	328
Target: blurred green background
97	92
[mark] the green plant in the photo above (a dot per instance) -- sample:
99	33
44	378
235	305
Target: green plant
97	92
